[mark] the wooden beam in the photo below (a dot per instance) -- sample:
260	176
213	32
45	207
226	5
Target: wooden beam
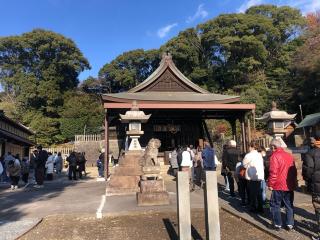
173	105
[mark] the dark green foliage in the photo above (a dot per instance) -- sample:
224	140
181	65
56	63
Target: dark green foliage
81	113
36	68
129	69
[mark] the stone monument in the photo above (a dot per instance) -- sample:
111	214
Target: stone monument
126	176
152	188
276	120
134	117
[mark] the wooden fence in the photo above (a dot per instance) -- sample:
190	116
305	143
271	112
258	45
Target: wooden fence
87	138
264	141
65	151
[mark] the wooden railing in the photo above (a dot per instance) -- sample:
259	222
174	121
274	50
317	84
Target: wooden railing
87	138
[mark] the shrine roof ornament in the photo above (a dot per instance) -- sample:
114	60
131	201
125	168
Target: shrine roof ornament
276	114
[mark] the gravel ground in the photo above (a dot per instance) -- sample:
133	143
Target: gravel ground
12	230
145	225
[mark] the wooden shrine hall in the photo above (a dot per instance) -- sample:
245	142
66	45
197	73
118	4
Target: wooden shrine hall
178	109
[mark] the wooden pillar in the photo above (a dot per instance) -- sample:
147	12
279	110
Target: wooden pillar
233	128
106	144
243	134
207	132
249	130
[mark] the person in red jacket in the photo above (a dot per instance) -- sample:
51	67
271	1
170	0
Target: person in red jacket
282	182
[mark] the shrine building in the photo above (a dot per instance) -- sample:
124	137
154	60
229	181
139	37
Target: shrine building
14	137
178	109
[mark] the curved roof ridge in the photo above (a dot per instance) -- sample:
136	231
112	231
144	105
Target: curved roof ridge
166	62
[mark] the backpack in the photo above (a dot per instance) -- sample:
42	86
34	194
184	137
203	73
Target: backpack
99	163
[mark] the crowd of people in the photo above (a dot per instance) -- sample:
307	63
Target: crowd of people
193	160
252	172
257	170
41	166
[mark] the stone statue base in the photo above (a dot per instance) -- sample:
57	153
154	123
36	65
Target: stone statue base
152	193
126	176
151	172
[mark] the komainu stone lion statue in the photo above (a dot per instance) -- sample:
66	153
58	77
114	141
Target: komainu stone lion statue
150	157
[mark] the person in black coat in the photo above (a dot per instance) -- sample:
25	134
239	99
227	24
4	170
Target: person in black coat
40	163
311	173
230	158
72	162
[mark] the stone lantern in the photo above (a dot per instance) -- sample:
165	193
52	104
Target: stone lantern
134	117
276	121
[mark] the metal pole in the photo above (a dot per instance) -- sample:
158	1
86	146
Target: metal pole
301	111
301	115
84	129
243	135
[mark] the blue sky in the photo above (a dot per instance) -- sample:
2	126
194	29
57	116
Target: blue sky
103	29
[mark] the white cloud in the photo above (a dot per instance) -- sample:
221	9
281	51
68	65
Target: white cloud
306	6
200	13
162	32
247	4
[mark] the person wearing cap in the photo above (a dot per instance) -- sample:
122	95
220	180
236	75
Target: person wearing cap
230	158
282	181
311	171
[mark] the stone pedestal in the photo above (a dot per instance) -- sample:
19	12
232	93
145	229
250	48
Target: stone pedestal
152	193
151	172
126	176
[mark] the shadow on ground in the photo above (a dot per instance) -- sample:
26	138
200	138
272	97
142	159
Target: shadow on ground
304	220
16	204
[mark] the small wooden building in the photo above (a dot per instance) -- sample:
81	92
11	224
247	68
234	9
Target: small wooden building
14	137
178	109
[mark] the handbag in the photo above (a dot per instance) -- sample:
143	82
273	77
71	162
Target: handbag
242	172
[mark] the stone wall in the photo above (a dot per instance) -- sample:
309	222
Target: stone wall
93	149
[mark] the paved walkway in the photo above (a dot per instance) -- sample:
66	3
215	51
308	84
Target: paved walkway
22	208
